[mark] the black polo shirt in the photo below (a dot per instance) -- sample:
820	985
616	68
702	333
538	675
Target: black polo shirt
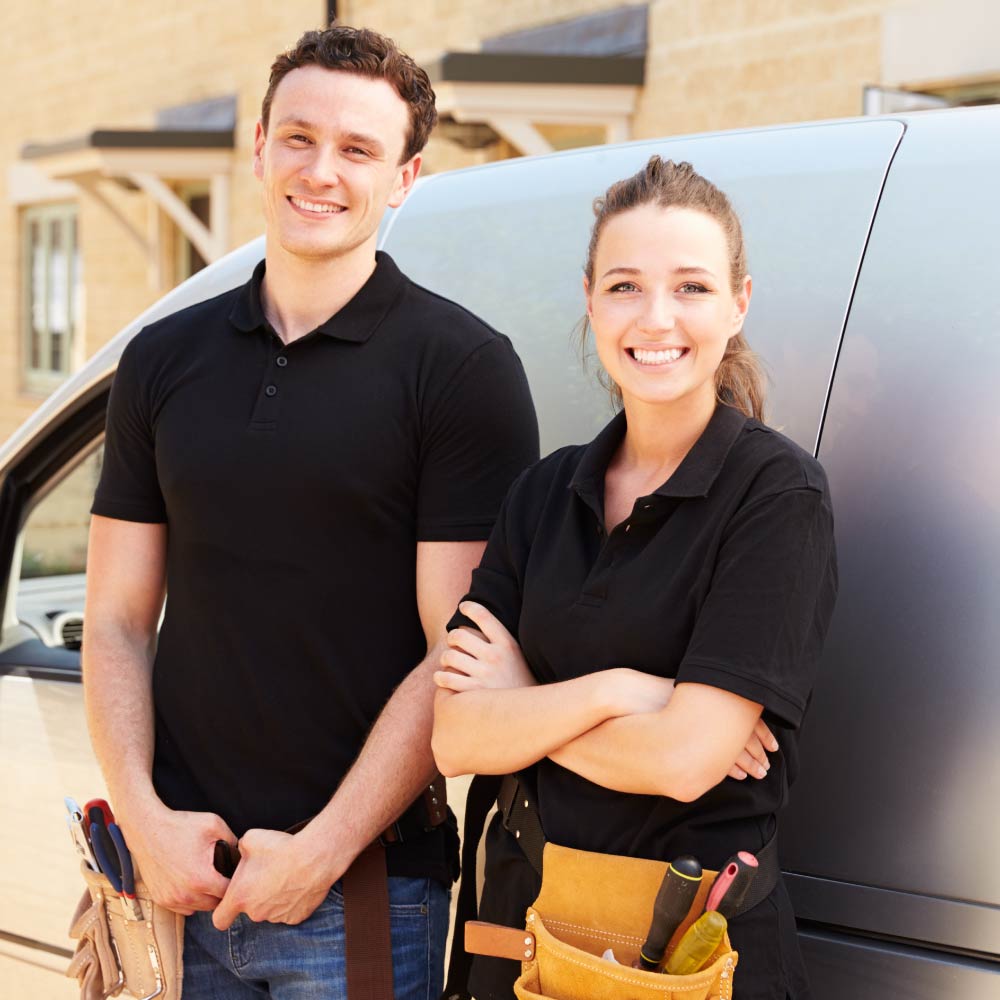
296	482
725	575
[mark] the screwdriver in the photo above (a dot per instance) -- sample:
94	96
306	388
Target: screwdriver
731	885
678	889
697	945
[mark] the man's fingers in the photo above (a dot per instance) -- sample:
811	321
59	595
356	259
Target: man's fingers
228	909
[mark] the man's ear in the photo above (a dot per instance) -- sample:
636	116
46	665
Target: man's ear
259	137
404	181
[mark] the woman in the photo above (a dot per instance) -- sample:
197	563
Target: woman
669	584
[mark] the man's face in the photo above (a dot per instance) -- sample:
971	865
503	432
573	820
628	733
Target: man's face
329	162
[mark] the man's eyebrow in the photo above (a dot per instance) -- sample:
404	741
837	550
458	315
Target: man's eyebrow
364	140
297	123
356	137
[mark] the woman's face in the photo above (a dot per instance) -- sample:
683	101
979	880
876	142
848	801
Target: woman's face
661	304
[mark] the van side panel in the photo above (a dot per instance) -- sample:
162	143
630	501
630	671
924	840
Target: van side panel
509	242
901	751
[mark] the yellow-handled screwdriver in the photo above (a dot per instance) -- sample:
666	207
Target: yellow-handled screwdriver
697	945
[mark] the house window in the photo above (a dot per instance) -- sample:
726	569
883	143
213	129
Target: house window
53	282
189	261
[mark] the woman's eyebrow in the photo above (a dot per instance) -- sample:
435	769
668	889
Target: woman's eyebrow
692	269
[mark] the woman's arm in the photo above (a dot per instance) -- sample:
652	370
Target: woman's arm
681	751
491	717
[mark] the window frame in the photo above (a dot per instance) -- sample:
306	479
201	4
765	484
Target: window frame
67	213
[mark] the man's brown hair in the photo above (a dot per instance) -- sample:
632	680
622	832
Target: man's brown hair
364	53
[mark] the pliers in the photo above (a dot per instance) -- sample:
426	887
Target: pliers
113	856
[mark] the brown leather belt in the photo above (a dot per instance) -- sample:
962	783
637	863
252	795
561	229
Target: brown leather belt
367	939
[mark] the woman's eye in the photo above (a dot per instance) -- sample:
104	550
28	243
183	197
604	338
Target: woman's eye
693	287
623	286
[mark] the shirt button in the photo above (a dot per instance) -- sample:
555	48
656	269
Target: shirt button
271	390
281	361
628	527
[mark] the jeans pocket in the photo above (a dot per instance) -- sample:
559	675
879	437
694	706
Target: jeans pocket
408	896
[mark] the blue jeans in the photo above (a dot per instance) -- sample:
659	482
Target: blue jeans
306	961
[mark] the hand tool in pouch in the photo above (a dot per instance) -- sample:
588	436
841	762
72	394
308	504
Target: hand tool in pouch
730	888
677	891
698	944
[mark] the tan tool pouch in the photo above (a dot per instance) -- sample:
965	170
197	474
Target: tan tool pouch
118	954
589	903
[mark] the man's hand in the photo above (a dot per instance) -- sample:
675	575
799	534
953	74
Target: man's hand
274	881
487	658
174	854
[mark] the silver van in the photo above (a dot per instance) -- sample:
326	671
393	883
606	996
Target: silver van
875	250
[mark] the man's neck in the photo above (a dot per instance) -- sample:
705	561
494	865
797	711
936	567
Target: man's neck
299	294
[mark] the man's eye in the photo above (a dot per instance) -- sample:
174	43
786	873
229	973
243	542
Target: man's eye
298	138
356	150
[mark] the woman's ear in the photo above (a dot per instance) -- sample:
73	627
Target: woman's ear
586	296
741	304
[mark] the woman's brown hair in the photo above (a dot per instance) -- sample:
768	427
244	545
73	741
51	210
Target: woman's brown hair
739	380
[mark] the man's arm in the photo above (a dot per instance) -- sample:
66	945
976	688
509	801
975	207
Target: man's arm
283	878
125	588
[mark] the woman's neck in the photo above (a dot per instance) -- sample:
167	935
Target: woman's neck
659	435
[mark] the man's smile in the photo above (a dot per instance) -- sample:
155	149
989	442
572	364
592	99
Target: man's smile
316	207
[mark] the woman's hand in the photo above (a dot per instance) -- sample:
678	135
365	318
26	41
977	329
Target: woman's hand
753	760
487	658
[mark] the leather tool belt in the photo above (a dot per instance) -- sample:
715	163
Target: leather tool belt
117	952
589	903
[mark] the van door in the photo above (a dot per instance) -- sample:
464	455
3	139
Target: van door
891	832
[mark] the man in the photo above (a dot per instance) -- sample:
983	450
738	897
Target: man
310	465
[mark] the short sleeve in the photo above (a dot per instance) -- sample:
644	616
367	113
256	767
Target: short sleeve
479	436
760	631
129	489
497	581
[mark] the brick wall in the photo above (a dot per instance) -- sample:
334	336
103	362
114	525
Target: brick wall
67	67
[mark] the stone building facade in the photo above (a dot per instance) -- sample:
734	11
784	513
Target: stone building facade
93	229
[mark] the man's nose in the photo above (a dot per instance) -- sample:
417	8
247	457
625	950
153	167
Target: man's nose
323	167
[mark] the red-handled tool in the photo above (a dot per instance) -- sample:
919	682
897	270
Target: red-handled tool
731	884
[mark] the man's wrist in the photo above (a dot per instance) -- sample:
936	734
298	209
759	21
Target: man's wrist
322	848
